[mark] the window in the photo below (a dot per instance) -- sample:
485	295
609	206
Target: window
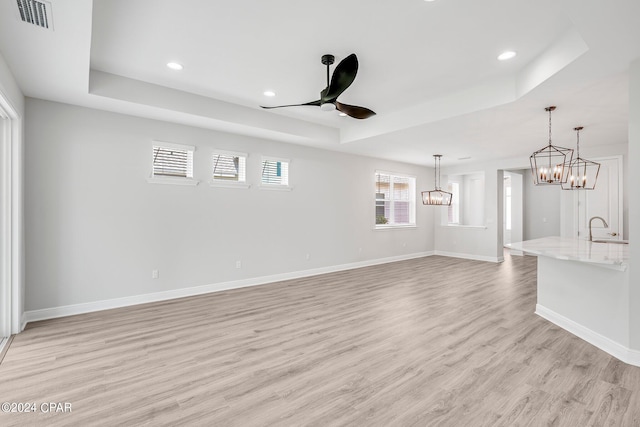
454	208
275	173
229	169
395	200
467	205
507	203
172	163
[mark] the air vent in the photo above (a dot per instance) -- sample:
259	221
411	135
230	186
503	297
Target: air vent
35	12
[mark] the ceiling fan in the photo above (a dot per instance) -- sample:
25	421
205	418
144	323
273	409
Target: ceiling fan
343	75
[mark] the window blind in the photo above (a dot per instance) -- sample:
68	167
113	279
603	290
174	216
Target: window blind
172	162
395	199
229	167
453	212
275	172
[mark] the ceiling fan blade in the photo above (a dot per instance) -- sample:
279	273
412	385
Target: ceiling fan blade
316	103
343	75
355	111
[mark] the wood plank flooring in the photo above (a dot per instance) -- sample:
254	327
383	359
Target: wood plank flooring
428	342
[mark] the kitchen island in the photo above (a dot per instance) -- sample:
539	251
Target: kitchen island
583	287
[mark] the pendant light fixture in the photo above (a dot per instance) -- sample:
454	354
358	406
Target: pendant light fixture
548	163
581	174
437	197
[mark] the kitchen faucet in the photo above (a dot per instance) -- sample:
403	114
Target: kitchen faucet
591	220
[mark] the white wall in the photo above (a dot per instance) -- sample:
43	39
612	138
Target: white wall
541	208
96	229
473	196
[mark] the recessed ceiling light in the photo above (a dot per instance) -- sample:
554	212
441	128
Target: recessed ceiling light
269	93
175	66
342	114
506	55
429	0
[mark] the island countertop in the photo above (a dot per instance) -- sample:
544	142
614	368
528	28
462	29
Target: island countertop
564	248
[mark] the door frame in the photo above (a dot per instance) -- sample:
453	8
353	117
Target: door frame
11	222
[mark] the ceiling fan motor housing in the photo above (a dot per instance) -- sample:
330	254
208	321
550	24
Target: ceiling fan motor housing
328	106
328	59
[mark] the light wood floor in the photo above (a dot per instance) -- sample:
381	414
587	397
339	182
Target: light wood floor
433	341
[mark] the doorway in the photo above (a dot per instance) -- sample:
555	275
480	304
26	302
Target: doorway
512	224
11	242
5	234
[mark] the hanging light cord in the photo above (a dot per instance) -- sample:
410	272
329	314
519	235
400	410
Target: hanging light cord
436	171
550	126
550	110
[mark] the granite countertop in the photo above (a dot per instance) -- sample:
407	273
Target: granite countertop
565	248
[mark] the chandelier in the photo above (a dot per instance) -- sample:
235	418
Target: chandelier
437	197
548	163
581	174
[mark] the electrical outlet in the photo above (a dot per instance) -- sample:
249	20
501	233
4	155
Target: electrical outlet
307	257
155	274
238	264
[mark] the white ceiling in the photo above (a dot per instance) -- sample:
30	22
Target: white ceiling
429	69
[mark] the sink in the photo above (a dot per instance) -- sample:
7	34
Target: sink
617	242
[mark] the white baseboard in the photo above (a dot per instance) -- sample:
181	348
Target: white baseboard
70	310
470	256
617	350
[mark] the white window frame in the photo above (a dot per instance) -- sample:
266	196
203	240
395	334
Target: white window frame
153	179
507	205
271	186
454	188
412	200
222	183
